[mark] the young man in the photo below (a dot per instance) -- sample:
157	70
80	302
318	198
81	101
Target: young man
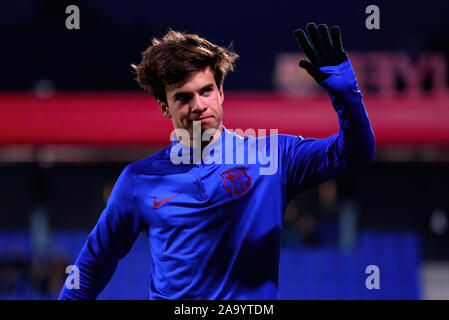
214	227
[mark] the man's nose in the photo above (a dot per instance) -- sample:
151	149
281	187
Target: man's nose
198	105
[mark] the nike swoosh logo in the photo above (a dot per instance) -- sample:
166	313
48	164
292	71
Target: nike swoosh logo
157	204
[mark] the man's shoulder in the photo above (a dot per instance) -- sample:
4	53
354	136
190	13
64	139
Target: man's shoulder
149	163
282	140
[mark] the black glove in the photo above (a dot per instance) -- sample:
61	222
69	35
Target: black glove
324	51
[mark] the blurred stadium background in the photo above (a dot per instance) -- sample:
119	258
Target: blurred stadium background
72	117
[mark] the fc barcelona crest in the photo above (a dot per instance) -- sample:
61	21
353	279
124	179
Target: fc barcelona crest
236	181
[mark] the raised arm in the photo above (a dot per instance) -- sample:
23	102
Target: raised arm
110	240
312	161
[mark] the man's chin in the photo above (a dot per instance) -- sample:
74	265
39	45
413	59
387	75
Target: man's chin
210	130
210	125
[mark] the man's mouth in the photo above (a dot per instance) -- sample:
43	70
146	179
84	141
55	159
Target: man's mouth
204	119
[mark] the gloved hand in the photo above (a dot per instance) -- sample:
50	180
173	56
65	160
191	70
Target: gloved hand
324	51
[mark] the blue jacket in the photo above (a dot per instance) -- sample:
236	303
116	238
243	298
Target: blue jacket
215	228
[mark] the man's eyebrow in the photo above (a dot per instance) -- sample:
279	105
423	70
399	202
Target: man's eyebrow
187	93
181	94
207	86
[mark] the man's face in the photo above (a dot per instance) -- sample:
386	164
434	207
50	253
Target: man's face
196	99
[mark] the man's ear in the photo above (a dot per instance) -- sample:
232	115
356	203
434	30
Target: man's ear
164	108
221	95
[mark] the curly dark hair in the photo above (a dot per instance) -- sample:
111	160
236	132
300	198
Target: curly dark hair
171	59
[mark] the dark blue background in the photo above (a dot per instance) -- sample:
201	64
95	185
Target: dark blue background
36	45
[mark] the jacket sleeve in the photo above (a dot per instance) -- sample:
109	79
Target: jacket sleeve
109	241
309	162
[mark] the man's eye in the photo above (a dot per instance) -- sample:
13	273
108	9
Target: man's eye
206	90
182	98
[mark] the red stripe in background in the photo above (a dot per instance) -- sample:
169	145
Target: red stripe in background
128	118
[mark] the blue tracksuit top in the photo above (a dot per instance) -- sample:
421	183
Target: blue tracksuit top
215	228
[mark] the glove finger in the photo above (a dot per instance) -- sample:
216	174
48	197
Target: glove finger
324	33
313	71
336	38
316	38
305	45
